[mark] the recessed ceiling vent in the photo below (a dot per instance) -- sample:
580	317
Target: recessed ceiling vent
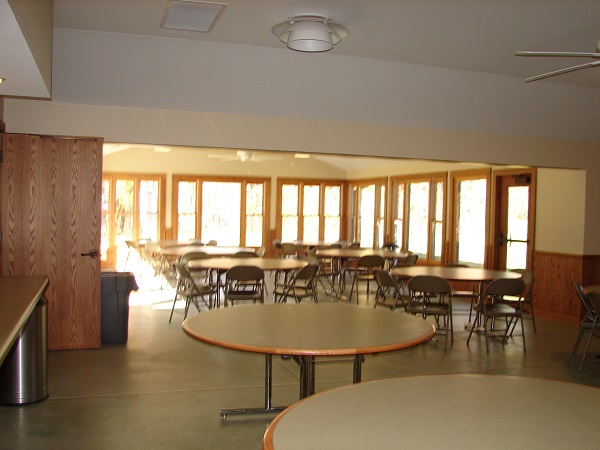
191	15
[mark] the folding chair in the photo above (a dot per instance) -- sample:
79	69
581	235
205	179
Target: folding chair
492	306
244	283
589	322
432	296
190	290
387	286
302	285
364	271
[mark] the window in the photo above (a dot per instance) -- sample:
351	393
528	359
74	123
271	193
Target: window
309	210
470	217
418	212
132	209
367	212
228	210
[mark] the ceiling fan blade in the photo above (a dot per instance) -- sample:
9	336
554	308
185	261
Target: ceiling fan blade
567	54
562	71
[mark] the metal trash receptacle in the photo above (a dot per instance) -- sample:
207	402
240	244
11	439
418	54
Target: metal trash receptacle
24	373
116	287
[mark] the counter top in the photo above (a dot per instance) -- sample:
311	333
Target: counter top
18	297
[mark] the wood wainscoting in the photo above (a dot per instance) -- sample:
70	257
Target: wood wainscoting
556	273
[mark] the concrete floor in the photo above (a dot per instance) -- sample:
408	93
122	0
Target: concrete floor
163	389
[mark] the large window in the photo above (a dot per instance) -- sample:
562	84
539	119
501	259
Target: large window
309	210
418	211
470	193
132	209
367	212
228	210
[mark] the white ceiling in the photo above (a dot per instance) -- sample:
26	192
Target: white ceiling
471	35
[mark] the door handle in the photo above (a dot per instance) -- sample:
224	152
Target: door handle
93	253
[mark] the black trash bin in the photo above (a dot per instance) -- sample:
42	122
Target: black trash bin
24	373
116	287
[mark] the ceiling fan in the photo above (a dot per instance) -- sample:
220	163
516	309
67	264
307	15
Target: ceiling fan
244	156
565	54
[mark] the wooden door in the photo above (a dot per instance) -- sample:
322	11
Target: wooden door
514	218
50	191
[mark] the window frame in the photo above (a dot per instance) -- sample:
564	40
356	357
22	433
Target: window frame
405	180
301	183
199	180
137	178
455	178
381	184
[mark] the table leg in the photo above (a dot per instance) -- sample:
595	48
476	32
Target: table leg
357	374
307	376
268	390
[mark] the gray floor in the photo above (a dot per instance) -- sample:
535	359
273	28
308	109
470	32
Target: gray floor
164	390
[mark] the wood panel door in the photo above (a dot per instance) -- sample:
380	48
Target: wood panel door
50	190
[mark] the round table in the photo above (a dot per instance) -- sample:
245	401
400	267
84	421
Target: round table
442	412
226	263
473	274
353	253
211	250
307	331
454	273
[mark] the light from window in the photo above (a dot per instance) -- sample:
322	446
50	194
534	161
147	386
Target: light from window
148	201
366	215
332	213
124	201
471	222
221	205
289	212
254	214
186	210
310	211
418	218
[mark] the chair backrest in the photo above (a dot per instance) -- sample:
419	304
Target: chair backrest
212	243
244	254
384	279
185	280
390	246
245	273
505	286
307	273
590	312
370	261
594	302
193	255
289	249
261	252
429	284
354	245
409	261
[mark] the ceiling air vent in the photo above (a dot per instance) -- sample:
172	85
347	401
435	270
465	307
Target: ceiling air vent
192	15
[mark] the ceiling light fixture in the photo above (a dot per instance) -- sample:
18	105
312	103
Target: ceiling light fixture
310	33
2	79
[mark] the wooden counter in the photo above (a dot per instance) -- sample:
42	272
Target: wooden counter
18	297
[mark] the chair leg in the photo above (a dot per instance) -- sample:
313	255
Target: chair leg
587	346
473	327
577	342
352	290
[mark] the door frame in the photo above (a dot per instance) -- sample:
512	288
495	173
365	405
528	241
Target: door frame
498	215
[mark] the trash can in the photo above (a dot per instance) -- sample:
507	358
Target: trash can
116	287
24	372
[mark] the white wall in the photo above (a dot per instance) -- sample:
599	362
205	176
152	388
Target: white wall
320	136
560	211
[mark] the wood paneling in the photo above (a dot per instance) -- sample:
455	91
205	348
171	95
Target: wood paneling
556	273
51	190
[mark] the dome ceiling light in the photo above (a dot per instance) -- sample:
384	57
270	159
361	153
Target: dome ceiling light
310	33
